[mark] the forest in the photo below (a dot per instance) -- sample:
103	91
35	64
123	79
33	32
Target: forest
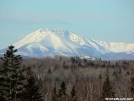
62	78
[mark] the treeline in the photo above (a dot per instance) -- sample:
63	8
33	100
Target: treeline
64	78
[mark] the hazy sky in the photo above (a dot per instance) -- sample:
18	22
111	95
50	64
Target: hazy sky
107	20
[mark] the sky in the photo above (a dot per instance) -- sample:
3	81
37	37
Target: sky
106	20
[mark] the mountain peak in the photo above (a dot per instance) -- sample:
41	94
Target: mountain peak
52	30
43	34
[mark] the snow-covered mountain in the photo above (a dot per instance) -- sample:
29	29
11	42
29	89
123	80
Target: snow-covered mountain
50	42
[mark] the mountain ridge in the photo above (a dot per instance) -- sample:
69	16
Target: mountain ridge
50	42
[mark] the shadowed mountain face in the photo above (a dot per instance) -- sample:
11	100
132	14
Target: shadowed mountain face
50	42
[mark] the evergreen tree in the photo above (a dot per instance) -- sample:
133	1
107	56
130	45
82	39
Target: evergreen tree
54	93
73	95
30	92
11	75
100	77
49	71
62	90
107	89
55	90
132	86
73	92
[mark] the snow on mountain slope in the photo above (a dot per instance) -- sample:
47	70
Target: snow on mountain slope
50	42
116	47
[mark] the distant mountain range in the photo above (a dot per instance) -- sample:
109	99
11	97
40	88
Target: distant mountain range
50	42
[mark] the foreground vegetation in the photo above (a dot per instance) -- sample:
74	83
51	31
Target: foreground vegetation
64	78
